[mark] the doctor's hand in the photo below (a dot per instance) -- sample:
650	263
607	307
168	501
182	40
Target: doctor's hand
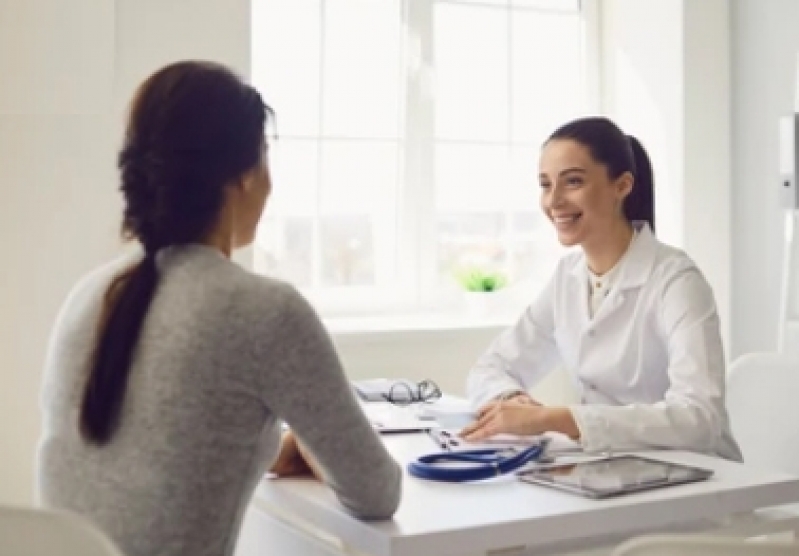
521	397
520	418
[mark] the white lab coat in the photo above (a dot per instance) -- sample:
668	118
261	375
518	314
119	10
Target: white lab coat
649	366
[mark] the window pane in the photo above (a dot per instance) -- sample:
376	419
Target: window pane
534	259
505	74
533	249
521	244
471	66
285	61
471	177
362	86
358	177
284	249
527	224
547	90
523	258
523	187
493	3
469	239
358	203
347	250
559	5
555	5
293	165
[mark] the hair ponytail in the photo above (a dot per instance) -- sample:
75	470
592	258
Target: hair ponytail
640	203
126	302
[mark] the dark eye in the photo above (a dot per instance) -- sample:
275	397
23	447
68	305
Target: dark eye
574	180
545	185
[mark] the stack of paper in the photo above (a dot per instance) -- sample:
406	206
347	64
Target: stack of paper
379	389
448	439
449	413
386	417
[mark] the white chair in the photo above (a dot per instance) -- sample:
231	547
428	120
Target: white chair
763	404
703	546
35	532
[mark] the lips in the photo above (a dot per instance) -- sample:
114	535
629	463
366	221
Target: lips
566	219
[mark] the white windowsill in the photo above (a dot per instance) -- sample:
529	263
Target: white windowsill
407	326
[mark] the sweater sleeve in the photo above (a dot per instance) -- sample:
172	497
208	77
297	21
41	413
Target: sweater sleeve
303	383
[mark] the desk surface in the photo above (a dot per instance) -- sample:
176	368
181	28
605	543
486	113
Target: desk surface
449	519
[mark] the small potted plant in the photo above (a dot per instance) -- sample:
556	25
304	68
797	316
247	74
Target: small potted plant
480	289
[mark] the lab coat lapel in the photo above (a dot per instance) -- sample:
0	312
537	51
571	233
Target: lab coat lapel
578	284
636	269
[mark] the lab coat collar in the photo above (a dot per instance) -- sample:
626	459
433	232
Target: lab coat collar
636	263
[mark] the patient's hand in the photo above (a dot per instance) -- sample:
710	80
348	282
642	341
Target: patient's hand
290	461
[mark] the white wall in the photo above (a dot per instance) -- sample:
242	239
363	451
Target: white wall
764	49
68	70
642	81
666	80
58	212
707	149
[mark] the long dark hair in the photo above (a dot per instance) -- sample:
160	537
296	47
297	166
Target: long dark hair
193	128
619	153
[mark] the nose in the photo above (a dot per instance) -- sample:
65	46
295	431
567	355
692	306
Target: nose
553	198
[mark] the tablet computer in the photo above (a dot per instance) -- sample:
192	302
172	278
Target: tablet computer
613	476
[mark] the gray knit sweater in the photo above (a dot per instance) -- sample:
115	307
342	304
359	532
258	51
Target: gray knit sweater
224	355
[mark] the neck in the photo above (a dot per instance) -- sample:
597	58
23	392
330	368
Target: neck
603	255
221	236
219	244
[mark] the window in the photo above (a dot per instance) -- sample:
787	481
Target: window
408	140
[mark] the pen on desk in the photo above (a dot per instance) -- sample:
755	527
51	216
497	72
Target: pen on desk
452	439
439	442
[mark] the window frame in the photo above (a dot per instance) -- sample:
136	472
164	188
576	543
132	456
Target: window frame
416	289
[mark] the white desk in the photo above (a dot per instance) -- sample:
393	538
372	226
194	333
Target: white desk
464	519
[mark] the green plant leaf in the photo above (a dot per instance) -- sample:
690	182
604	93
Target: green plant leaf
479	280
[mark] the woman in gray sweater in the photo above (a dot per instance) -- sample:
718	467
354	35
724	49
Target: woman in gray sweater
169	372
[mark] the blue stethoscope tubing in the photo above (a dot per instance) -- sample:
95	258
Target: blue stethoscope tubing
488	463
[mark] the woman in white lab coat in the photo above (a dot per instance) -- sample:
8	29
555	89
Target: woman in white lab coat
632	320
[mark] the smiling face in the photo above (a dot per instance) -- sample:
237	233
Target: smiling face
578	195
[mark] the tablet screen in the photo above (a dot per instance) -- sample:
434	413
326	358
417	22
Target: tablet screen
614	475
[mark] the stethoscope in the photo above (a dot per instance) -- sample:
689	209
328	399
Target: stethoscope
487	463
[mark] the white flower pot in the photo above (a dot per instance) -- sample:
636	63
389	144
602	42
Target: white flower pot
480	304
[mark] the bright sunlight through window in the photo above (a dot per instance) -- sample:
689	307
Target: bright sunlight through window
408	137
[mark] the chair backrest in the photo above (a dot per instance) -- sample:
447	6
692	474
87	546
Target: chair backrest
763	403
703	546
35	532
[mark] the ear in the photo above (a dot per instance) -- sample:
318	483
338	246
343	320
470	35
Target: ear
246	181
624	185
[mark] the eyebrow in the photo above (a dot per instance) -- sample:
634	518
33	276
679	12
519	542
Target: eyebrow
566	171
574	169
